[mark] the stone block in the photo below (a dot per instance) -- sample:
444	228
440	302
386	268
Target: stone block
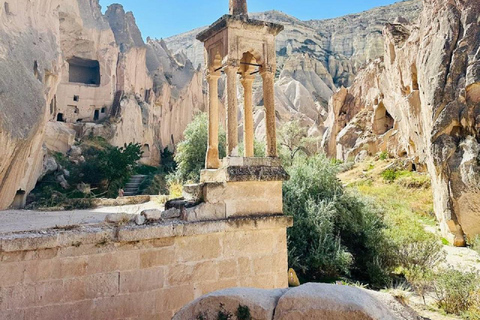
142	280
182	274
17	297
206	212
156	258
101	285
205	247
120	218
18	256
59	136
206	287
75	311
174	298
246	198
227	269
152	214
11	273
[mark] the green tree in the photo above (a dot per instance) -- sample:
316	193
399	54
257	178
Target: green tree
293	140
108	168
191	152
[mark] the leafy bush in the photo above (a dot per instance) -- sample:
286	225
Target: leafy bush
390	175
190	156
383	156
457	292
335	234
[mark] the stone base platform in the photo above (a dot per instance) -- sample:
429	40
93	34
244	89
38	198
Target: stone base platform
136	272
241	187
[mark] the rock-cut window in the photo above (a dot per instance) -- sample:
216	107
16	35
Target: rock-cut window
84	71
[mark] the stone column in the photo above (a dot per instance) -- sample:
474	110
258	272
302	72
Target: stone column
248	133
232	106
269	102
213	161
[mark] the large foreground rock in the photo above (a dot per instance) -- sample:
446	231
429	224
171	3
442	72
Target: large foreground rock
260	302
309	301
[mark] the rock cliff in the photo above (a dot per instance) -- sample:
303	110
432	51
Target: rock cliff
422	101
86	73
30	67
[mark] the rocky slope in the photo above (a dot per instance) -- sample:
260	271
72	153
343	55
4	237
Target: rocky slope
422	101
314	58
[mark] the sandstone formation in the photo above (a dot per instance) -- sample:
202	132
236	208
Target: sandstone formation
30	66
309	301
87	74
422	101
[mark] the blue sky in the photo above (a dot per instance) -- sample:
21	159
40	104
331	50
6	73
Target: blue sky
164	18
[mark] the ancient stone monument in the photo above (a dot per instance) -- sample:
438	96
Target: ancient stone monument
241	186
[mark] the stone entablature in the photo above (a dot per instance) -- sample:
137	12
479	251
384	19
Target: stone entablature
142	272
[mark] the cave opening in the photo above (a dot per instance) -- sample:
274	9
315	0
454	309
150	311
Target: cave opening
20	199
7	8
84	71
96	115
60	117
382	120
145	151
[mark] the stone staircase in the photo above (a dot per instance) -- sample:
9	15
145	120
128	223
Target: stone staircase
131	188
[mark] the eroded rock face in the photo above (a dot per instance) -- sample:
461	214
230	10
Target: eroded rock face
309	301
29	75
86	73
422	102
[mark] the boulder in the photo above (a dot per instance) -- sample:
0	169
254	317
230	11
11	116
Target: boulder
59	136
335	302
309	301
260	303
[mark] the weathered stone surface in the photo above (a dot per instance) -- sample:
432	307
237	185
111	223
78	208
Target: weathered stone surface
59	137
172	213
309	301
152	215
420	103
246	198
96	272
120	218
261	304
333	302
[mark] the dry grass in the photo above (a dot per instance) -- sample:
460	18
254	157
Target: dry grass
403	194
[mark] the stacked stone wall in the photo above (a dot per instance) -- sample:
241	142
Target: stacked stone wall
136	272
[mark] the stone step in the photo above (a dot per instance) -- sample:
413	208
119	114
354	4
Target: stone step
131	188
132	185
